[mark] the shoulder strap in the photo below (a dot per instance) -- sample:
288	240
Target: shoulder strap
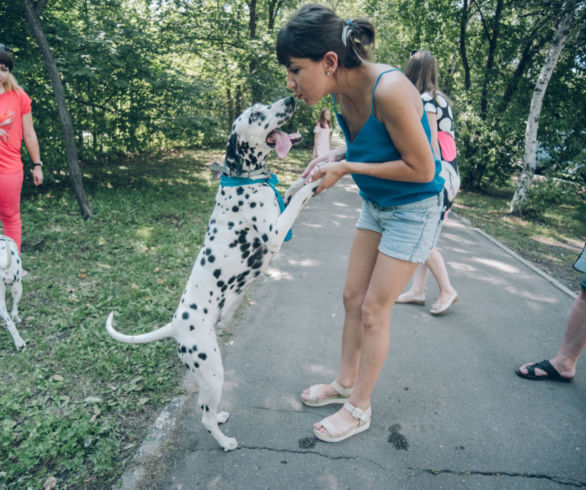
376	83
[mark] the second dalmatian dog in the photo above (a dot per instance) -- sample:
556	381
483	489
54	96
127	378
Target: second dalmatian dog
10	276
247	227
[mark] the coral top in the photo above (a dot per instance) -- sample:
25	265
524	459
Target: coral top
13	105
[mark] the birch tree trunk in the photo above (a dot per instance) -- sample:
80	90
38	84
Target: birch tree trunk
529	160
33	11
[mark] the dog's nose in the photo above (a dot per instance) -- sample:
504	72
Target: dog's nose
290	101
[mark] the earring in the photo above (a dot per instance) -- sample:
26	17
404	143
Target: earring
328	73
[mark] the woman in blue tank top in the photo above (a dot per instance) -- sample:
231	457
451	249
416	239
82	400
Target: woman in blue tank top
389	155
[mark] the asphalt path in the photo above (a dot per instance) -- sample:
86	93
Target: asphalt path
448	410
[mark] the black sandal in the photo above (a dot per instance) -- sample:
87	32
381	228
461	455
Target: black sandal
552	373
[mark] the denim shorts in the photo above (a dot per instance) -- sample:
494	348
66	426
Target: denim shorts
409	231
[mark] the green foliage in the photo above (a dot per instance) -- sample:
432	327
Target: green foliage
543	196
142	76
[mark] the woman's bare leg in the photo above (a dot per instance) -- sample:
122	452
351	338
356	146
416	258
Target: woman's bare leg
388	279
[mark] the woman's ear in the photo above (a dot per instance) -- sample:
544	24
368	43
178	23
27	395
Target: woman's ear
330	61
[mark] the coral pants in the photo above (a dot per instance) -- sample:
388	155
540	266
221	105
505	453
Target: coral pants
10	187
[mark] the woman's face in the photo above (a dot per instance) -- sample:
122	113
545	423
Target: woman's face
308	79
4	74
327	115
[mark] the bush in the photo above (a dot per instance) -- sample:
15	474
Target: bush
540	197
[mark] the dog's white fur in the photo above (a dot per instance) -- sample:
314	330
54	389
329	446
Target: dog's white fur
10	276
245	230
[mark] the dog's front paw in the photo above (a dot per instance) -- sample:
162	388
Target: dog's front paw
16	319
19	344
229	444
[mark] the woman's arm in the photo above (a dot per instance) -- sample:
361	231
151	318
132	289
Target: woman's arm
399	107
32	145
432	119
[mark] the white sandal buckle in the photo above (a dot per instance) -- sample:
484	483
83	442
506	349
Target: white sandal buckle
356	412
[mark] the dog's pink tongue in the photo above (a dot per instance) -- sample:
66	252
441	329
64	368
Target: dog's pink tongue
282	144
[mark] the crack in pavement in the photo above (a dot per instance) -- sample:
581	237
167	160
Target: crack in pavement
315	453
556	479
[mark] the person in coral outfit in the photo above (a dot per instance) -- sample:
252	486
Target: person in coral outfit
16	125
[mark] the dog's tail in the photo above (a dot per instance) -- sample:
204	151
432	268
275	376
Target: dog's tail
160	333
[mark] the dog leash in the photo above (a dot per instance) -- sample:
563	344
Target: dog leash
272	181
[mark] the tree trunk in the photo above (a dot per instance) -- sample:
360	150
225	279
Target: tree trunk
465	65
33	11
493	41
529	160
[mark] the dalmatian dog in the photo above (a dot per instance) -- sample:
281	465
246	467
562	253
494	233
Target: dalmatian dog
247	227
10	275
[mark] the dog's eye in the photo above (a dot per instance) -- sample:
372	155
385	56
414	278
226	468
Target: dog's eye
256	116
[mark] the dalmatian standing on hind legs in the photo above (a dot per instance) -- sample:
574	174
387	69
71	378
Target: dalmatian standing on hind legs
247	227
10	275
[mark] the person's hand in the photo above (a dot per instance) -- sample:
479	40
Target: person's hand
329	173
37	172
311	165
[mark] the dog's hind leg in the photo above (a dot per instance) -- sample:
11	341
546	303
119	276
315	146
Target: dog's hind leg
209	401
210	378
16	295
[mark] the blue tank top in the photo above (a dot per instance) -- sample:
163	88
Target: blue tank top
373	144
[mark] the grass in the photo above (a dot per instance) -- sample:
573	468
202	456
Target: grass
552	243
76	405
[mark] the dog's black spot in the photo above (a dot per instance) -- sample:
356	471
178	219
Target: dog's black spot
183	349
239	190
203	356
253	204
205	310
202	261
221	303
187	366
185	315
220	284
193	306
265	238
191	328
211	258
194	348
230	225
196	365
217	273
234	209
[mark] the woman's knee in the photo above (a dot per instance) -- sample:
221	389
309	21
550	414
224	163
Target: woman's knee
352	299
374	316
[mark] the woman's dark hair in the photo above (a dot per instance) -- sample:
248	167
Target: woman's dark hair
314	30
5	58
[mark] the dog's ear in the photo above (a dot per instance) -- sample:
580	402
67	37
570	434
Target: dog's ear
233	160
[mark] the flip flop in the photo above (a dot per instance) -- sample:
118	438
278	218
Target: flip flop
552	373
363	417
342	396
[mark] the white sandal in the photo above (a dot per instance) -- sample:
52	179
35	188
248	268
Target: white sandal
363	417
341	397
